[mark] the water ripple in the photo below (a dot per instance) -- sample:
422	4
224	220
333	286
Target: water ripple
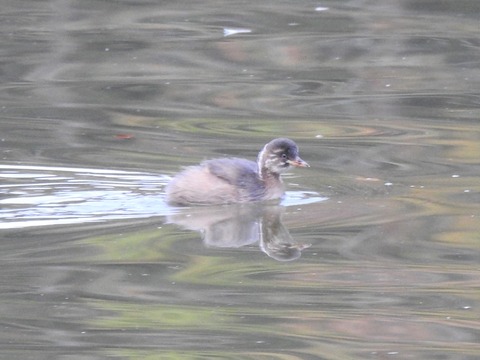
38	195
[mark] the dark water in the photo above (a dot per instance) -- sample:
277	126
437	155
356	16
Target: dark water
373	254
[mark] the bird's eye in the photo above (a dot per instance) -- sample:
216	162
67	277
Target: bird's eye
284	156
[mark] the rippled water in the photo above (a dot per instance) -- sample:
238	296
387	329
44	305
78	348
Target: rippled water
373	252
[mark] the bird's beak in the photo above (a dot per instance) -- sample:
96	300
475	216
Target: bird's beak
298	162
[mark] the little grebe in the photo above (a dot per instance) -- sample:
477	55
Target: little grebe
234	180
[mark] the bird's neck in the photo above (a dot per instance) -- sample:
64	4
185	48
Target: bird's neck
269	176
272	184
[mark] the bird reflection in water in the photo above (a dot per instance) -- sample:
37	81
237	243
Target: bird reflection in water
237	225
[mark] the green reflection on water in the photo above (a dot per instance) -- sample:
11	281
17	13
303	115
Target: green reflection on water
143	316
137	245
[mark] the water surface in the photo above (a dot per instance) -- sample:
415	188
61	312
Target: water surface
374	251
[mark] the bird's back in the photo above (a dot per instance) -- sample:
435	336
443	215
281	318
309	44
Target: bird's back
217	181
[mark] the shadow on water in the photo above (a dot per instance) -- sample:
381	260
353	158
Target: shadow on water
235	226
